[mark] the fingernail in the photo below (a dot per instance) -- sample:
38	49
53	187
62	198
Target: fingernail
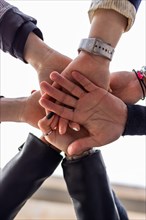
76	129
50	115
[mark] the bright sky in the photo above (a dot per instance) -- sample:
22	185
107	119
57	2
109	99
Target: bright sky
63	24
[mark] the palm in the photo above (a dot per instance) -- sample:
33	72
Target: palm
91	111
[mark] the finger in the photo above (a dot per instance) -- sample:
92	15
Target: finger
83	81
71	87
54	123
81	145
57	108
50	115
58	95
63	124
45	125
74	126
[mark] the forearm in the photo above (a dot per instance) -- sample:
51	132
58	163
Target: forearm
11	109
108	26
24	174
127	8
36	53
114	25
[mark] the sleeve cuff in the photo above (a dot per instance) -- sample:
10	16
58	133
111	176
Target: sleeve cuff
123	7
136	121
21	38
43	156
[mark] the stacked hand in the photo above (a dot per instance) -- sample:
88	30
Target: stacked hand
91	106
101	114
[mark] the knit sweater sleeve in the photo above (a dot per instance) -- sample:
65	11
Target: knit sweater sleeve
128	8
136	121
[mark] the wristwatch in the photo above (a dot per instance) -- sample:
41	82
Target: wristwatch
97	47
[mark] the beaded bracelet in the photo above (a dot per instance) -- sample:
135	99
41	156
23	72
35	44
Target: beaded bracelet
141	74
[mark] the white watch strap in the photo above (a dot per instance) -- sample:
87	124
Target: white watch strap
97	47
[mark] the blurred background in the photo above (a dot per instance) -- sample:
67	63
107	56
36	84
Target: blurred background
63	24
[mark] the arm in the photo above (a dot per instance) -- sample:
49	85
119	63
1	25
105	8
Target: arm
24	40
24	109
128	8
96	68
91	192
86	178
24	174
106	17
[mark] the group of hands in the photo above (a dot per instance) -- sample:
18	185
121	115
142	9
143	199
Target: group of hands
88	102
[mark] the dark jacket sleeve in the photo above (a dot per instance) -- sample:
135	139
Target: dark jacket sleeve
15	27
89	188
136	121
24	174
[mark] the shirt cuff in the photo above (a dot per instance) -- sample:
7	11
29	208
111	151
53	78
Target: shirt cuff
136	121
123	7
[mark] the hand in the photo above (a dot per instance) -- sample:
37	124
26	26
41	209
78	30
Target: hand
43	58
95	68
31	111
52	61
61	142
125	86
102	114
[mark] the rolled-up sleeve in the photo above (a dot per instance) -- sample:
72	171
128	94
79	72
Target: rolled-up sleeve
123	7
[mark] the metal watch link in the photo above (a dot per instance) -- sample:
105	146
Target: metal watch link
97	47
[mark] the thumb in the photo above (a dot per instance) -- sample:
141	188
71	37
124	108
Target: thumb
79	146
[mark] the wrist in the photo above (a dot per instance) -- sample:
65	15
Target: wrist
11	109
112	21
36	51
